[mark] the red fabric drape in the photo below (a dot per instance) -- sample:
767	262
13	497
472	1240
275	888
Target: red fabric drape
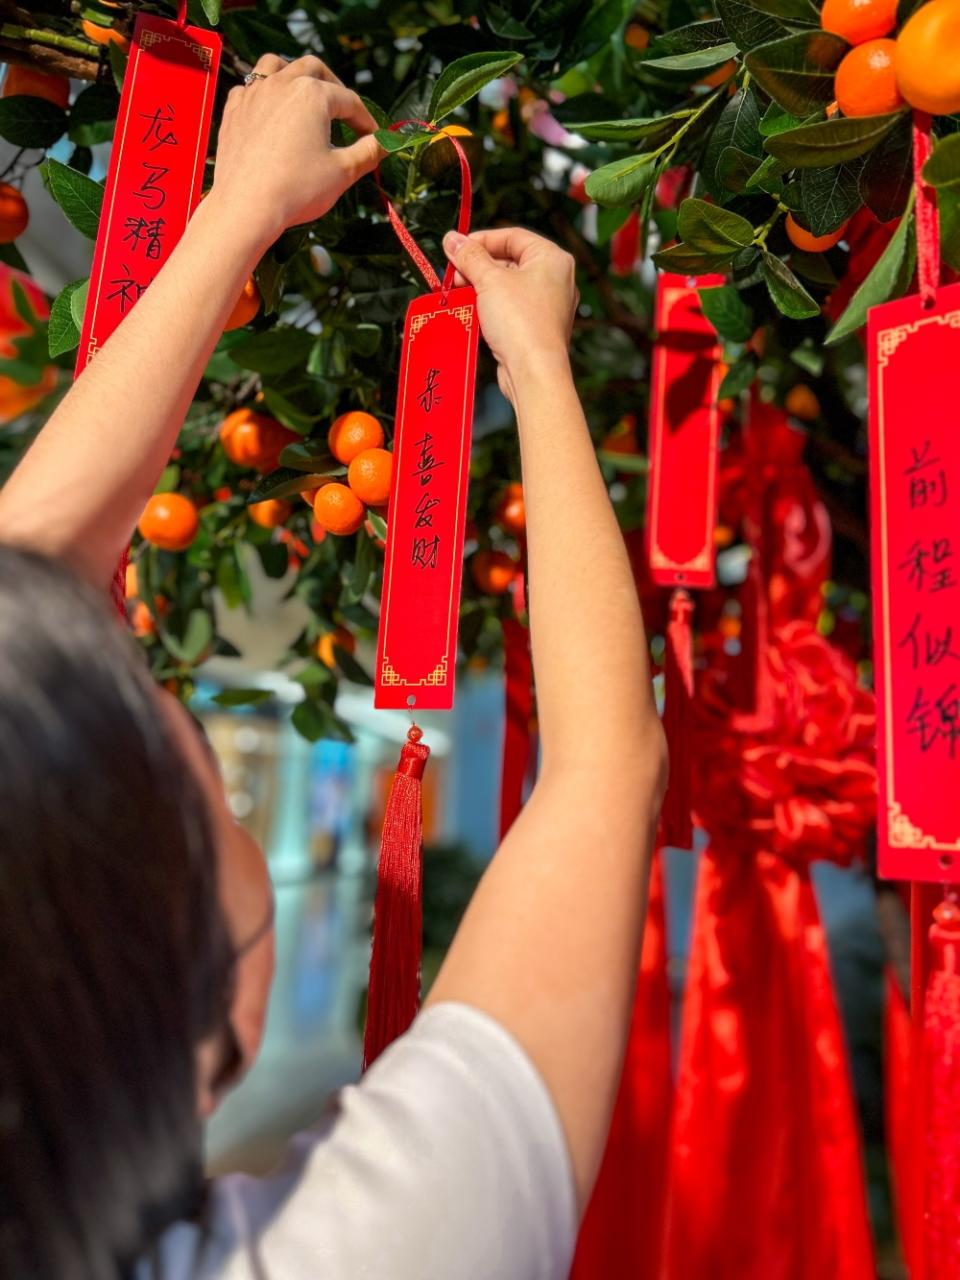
901	1114
622	1231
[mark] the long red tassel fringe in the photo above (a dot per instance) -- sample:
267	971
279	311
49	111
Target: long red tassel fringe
394	992
676	819
942	1059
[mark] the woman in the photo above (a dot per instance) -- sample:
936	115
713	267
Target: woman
135	947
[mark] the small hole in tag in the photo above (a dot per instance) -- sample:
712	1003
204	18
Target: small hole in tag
681	577
945	862
412	700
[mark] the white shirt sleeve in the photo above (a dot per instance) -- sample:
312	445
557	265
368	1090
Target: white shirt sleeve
446	1162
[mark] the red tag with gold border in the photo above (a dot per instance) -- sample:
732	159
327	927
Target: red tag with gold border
423	564
683	437
914	382
156	168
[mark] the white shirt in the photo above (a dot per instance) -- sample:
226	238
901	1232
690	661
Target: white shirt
446	1162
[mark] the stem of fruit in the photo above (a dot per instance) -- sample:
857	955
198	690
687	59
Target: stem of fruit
761	233
52	39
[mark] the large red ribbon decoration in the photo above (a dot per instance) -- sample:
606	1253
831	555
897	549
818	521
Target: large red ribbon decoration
622	1232
155	175
766	1178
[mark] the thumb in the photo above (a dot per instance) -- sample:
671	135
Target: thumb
469	257
361	157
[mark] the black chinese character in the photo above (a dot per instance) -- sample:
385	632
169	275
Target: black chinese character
425	552
933	721
926	490
127	290
160	137
428	396
427	463
926	567
150	191
424	510
145	231
928	648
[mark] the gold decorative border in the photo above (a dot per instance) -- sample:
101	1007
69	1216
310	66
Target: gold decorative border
463	314
902	831
204	55
437	678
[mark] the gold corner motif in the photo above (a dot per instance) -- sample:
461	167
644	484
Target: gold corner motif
437	678
902	833
889	339
203	54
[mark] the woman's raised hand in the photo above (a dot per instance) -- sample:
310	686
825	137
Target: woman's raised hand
275	160
526	296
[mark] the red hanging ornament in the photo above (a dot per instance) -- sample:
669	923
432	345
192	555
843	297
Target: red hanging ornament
518	712
676	817
941	1054
393	996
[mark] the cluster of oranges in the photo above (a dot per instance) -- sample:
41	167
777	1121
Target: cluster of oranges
881	73
356	441
17	82
494	571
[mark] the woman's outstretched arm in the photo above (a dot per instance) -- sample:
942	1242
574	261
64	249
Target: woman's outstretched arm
81	487
549	944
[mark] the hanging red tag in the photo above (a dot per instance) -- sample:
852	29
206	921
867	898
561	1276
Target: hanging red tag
684	428
915	535
417	642
156	168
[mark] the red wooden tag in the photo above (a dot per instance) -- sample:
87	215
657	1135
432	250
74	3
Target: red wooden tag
914	384
417	644
156	168
684	426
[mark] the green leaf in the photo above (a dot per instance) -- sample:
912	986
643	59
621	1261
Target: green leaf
350	668
776	120
242	697
285	482
735	169
948	204
212	9
312	456
943	167
357	575
197	637
737	378
830	196
687	261
695	35
797	72
696	59
801	12
622	182
232	580
314	720
80	198
118	64
768	177
786	292
831	141
364	339
879	286
886	179
94	114
650	130
31	122
402	140
813	267
462	79
747	25
66	318
712	229
169	479
274	351
737	126
727	312
288	413
377	523
609	222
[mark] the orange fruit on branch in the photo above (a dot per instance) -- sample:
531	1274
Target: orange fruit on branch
353	432
169	521
801	238
928	58
105	35
451	131
636	36
14	214
338	510
866	80
369	476
859	20
270	514
245	308
339	638
36	84
717	76
252	439
493	571
802	403
511	512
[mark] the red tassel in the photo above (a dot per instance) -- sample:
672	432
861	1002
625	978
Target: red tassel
942	1059
518	680
393	996
677	828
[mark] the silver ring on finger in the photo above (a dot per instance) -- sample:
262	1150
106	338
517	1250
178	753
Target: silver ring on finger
253	75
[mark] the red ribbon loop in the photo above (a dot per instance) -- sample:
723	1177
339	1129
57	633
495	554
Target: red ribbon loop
928	219
419	258
182	13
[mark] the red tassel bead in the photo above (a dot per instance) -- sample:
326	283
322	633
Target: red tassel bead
394	992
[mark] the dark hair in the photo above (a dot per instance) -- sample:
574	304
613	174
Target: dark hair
114	956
